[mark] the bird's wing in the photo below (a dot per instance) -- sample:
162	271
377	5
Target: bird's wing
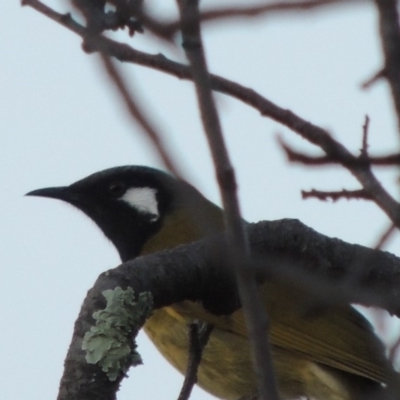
338	337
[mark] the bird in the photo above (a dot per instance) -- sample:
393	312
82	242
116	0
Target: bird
334	355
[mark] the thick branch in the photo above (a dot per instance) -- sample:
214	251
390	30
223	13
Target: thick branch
292	252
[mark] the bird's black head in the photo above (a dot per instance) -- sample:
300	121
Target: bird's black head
133	204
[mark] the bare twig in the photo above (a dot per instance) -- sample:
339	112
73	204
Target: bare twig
375	78
295	156
379	161
385	237
336	195
364	147
390	38
256	319
307	159
199	334
139	117
261	10
169	29
63	19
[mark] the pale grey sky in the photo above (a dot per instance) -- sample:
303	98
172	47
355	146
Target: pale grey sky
60	121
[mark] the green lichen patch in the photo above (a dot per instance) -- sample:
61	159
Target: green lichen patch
110	343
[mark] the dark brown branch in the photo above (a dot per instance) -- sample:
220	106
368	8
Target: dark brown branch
139	116
307	159
63	19
255	316
169	29
385	236
287	250
364	147
374	78
263	9
390	38
336	195
295	156
199	334
305	129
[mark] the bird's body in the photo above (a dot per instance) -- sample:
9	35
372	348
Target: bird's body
331	356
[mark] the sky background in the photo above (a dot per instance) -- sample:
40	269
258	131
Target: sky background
60	120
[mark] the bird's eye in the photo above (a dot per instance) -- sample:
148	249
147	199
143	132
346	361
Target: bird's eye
117	189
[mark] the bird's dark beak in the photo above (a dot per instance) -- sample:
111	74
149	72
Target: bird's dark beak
64	193
60	193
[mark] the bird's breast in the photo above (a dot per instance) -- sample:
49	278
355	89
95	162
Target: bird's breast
224	360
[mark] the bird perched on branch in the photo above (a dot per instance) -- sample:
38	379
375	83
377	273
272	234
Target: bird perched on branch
332	356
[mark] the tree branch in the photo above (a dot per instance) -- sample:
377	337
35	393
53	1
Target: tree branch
390	38
336	195
256	319
385	236
199	334
139	116
167	30
294	156
286	251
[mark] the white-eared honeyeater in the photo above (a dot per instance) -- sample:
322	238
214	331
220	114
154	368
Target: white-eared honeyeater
332	356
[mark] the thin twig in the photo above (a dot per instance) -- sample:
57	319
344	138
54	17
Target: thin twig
139	116
94	15
169	29
390	38
199	333
262	9
256	319
385	237
374	78
364	160
310	160
336	195
364	147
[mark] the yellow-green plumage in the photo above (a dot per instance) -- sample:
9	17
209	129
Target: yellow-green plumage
314	357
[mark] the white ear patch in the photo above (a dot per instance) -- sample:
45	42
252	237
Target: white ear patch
144	200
